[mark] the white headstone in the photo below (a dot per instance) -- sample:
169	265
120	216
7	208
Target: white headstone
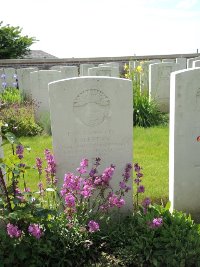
56	67
10	77
39	90
171	60
104	71
23	76
110	64
182	62
190	61
184	155
67	71
196	64
92	117
84	69
144	75
159	83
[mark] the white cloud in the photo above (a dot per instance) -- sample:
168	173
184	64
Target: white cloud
186	4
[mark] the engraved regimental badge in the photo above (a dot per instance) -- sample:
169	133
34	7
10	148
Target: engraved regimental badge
91	107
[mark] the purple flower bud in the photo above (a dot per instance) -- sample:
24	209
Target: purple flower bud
141	189
20	151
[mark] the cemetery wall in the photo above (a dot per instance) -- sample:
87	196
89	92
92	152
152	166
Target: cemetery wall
48	63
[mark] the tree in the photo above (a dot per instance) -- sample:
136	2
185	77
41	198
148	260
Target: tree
12	43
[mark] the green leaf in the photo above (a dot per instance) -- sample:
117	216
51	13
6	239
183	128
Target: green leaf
168	205
12	138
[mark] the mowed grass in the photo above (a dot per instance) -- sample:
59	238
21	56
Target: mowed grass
150	150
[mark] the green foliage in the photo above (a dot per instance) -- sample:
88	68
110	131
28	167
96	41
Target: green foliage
133	243
19	119
12	43
146	112
122	240
10	96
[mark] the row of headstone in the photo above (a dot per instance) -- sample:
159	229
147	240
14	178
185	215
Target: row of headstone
85	115
108	69
90	104
155	79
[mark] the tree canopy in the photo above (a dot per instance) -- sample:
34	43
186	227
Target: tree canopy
12	43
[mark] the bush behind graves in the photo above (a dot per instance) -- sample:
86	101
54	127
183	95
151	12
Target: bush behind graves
146	112
19	119
10	95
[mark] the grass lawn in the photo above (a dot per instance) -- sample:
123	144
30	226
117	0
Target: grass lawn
150	151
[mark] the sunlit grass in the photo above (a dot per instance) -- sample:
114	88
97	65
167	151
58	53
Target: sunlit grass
152	153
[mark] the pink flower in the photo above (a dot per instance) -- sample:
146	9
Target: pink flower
93	226
83	166
51	167
107	174
35	230
13	230
116	201
156	223
84	163
70	200
39	165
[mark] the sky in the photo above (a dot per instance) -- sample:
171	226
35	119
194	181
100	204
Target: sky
107	28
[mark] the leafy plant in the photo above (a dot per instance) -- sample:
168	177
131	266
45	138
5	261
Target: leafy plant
146	112
10	96
19	119
32	219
